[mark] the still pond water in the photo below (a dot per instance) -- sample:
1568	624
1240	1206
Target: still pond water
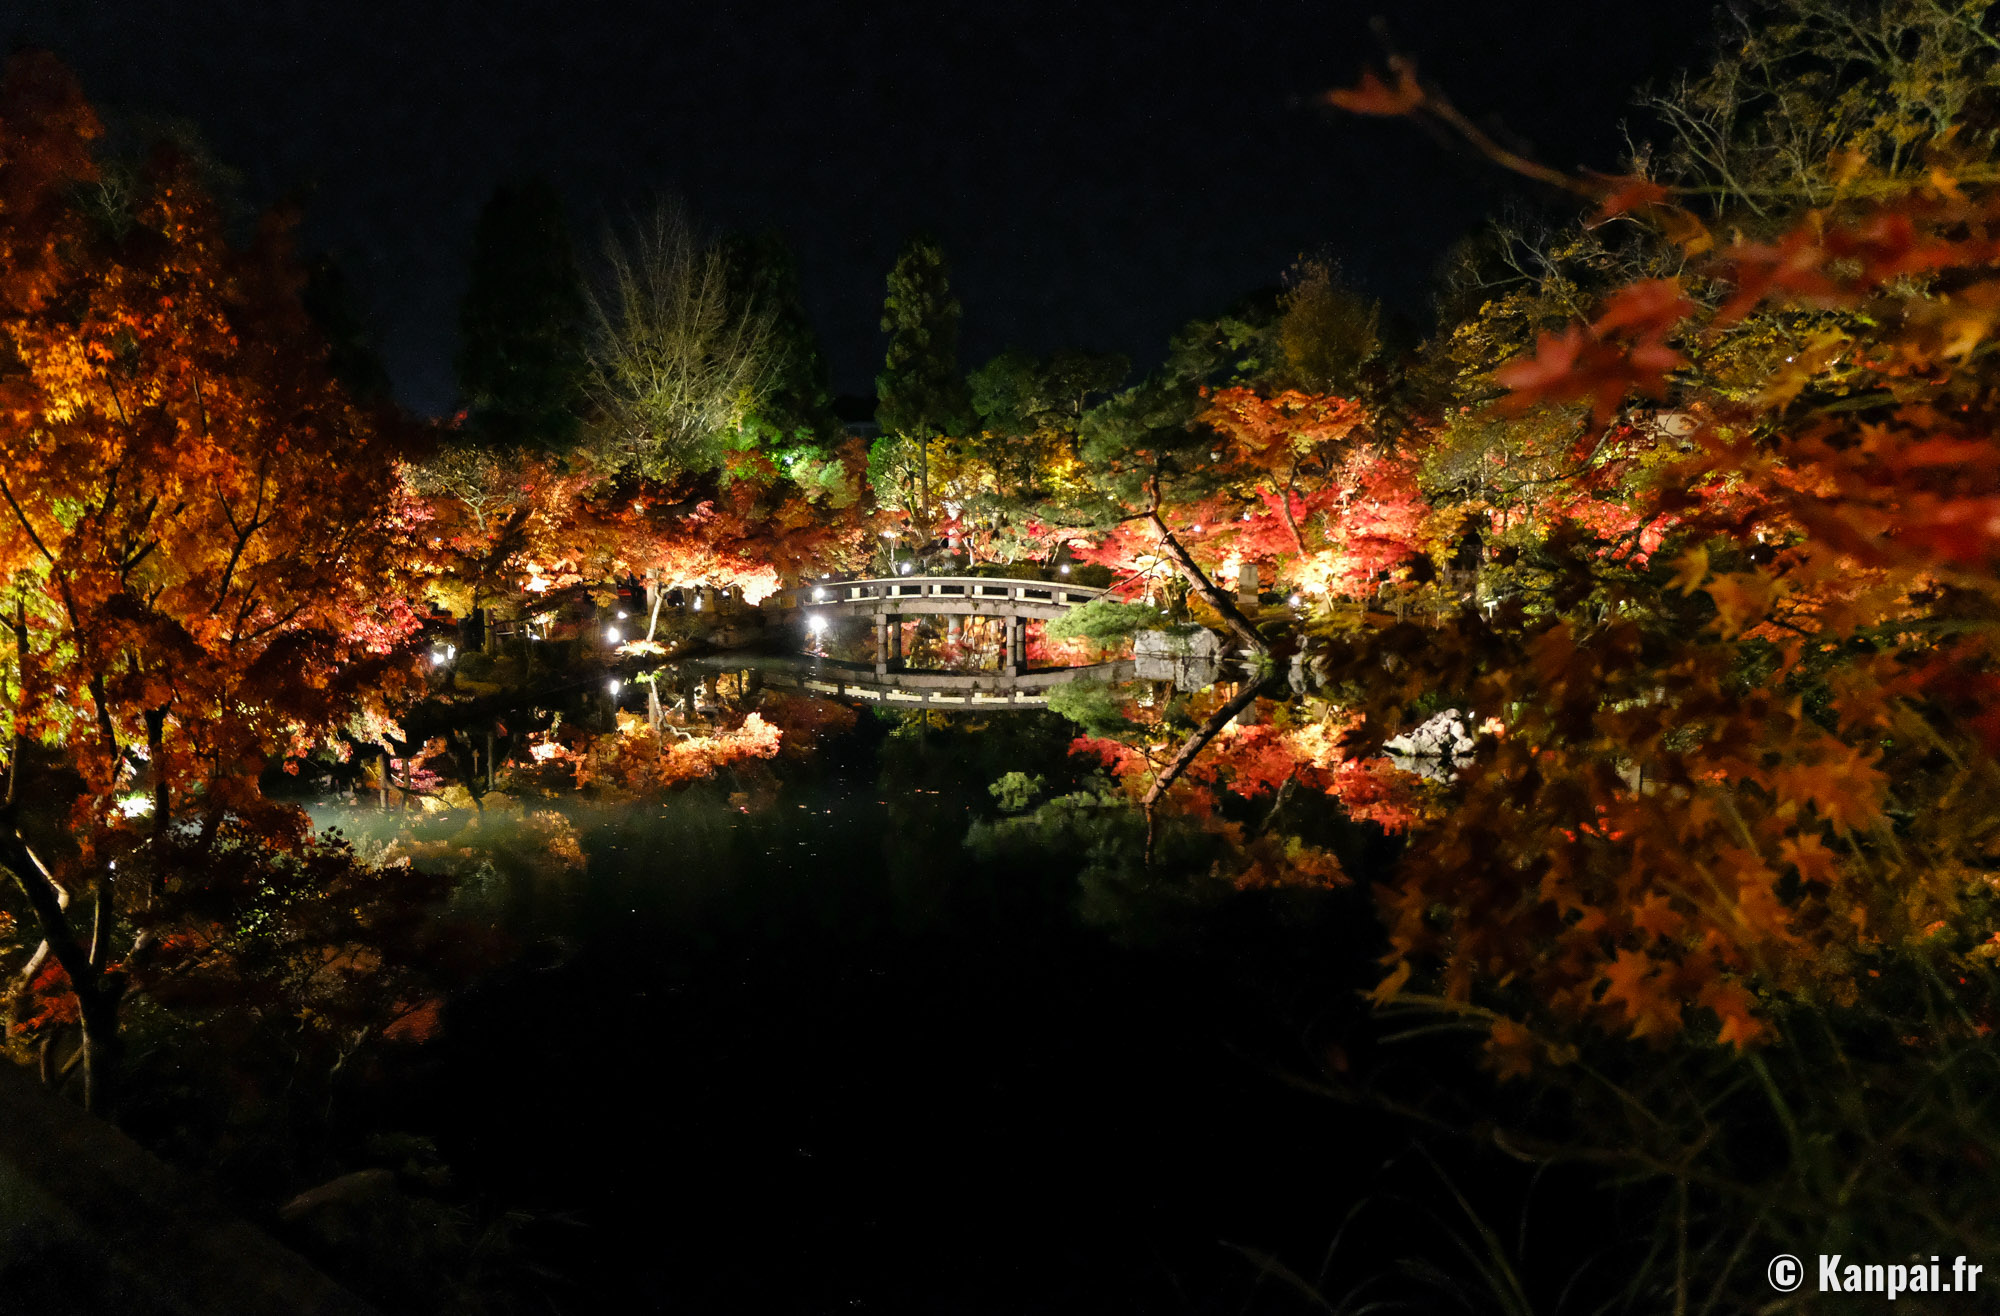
821	1055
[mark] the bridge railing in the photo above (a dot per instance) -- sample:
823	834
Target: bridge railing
1045	593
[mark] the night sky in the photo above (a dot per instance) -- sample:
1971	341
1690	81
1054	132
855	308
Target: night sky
1099	172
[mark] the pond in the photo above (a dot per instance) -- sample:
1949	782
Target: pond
818	1053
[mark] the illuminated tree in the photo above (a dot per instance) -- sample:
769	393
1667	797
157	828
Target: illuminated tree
792	418
1748	775
1326	332
921	398
678	359
200	535
1025	451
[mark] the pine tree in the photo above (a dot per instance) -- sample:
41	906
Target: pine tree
920	395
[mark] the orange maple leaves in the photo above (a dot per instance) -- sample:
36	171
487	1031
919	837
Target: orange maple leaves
1625	351
1694	808
201	529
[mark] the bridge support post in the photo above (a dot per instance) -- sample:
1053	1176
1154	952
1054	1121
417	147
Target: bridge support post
888	643
1017	645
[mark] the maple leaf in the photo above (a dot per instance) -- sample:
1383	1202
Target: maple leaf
1733	1005
1576	365
1847	790
1392	986
1626	195
1807	853
1632	982
1651	306
1690	570
1656	916
1510	1049
1741	598
1371	95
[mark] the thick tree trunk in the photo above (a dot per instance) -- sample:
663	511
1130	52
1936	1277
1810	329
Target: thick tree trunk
102	1047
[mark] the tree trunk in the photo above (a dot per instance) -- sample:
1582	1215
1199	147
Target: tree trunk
25	979
102	1047
156	734
1189	750
1225	607
20	629
96	992
103	916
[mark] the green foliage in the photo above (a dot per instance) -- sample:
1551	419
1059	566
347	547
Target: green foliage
1016	395
1095	832
1097	707
1096	827
521	326
792	420
1008	571
1107	621
1017	790
919	393
1149	428
681	353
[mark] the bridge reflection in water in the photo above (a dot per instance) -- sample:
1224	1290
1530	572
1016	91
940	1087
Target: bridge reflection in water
952	689
1008	605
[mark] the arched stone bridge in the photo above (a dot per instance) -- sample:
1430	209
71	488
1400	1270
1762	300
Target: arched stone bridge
891	599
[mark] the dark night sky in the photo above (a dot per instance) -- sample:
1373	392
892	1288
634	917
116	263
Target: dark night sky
1100	172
